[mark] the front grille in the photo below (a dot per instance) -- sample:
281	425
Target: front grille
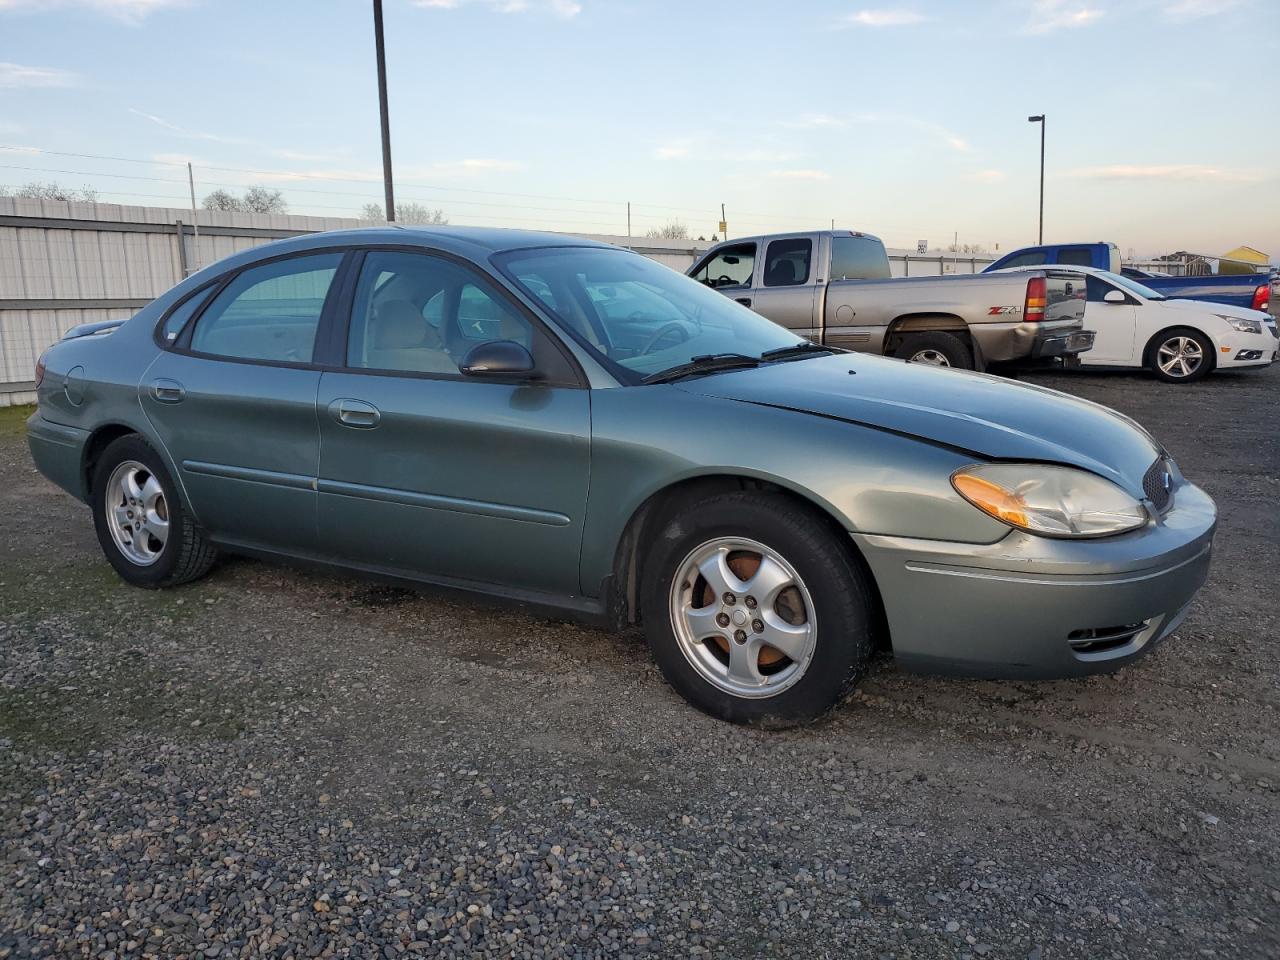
1101	639
1157	484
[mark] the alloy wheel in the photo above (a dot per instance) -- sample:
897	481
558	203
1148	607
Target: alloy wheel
1180	356
743	618
137	513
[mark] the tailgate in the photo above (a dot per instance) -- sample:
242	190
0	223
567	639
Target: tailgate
1065	298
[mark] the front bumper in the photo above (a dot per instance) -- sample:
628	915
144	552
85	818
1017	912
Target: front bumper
58	452
1033	607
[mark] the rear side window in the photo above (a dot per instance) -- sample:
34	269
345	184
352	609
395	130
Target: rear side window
269	312
787	262
729	267
1031	258
858	258
178	318
1076	256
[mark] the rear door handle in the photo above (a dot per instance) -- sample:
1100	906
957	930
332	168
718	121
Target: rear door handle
745	301
355	413
168	391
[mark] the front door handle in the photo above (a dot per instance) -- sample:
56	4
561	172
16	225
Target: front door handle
168	391
355	413
745	301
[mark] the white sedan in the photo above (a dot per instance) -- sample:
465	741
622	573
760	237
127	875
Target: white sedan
1177	340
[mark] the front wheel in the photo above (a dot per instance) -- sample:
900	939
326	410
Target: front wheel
1180	356
753	611
145	531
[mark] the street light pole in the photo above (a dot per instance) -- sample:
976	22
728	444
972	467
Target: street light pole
382	109
1040	120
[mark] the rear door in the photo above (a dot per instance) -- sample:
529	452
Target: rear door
789	282
853	258
429	472
233	400
1114	325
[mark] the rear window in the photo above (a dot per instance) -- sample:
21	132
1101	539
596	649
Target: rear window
1075	256
858	258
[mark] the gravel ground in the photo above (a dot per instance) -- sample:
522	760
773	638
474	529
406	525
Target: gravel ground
280	763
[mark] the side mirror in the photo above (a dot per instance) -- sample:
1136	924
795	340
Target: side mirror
497	358
1113	296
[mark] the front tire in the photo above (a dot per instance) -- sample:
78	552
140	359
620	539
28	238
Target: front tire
145	531
753	611
1181	355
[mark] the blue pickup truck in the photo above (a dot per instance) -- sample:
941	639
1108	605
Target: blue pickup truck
1252	290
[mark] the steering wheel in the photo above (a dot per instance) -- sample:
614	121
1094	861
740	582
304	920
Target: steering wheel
672	326
724	281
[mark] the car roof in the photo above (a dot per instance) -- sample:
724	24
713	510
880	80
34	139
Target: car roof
492	239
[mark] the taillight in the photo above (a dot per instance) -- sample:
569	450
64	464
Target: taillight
1262	297
1037	295
40	370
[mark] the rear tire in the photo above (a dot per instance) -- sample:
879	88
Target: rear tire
146	532
1180	355
780	576
936	348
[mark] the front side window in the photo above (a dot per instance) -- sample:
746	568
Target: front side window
269	312
728	267
416	313
858	258
636	315
787	262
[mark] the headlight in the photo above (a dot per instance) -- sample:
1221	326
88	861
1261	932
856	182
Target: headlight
1050	501
1244	326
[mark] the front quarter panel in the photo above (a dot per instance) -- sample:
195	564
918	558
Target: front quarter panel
647	438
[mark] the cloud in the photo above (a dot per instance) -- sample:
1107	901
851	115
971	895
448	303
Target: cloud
671	151
1167	171
16	76
1047	16
1184	10
814	121
126	11
989	176
564	9
799	175
183	131
949	137
896	17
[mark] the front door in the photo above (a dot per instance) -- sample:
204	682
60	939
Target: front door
732	270
233	400
788	285
427	472
1114	325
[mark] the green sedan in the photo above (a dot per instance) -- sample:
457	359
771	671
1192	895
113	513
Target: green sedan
579	429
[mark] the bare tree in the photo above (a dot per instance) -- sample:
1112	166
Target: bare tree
55	191
672	230
410	213
256	199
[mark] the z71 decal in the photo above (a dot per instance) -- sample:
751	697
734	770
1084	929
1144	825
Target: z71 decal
1002	311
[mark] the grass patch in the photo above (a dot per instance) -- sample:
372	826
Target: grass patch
13	420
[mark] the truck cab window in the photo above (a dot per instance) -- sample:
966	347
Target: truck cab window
1076	256
787	263
728	267
858	258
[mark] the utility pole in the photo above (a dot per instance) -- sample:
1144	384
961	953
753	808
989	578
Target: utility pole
195	223
382	109
1040	120
724	224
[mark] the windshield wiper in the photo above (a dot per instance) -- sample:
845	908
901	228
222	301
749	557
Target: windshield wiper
797	350
706	363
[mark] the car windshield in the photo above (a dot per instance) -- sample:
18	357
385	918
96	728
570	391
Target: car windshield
1133	286
639	317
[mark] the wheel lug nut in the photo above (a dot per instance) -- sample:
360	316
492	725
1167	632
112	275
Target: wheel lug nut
722	619
740	636
757	626
730	599
751	602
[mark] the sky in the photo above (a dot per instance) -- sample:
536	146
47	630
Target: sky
908	121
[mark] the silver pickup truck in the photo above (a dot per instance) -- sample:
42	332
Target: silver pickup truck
834	287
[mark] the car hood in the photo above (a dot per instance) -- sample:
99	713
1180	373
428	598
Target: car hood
987	416
1219	309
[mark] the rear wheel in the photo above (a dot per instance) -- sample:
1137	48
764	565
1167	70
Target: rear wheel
146	533
753	612
1180	356
935	348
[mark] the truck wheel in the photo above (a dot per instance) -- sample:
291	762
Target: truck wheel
1180	355
936	348
753	611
